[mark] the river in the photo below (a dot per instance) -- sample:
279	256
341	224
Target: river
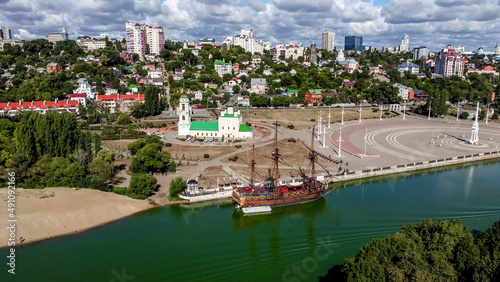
295	243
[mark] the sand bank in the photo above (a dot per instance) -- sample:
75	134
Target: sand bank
51	212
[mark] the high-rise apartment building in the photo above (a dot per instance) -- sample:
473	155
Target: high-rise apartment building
328	40
58	36
353	43
247	41
450	62
5	33
420	53
405	44
144	39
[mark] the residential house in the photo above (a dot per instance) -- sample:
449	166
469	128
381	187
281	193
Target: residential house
483	70
293	72
157	81
198	95
267	72
420	96
293	92
222	68
256	59
210	85
53	67
80	98
155	73
143	81
405	92
348	84
125	101
258	85
491	96
409	67
313	96
236	68
41	107
243	101
374	70
86	88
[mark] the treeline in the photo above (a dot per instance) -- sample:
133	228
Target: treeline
51	150
428	251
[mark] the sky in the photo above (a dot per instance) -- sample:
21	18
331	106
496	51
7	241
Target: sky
382	23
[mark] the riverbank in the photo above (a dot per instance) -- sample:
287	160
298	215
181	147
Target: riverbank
52	212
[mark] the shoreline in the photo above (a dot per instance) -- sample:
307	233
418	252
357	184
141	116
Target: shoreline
136	206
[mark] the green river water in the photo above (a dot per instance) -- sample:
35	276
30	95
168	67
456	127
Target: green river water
296	243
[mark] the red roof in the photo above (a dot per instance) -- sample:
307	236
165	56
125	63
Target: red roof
120	97
78	95
39	105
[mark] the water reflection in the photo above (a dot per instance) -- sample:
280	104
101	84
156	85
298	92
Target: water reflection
308	210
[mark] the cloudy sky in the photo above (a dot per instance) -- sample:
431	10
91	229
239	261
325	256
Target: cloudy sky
382	23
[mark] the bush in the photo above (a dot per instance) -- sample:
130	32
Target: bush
292	140
375	110
172	167
238	146
176	186
168	144
206	156
141	186
291	126
233	159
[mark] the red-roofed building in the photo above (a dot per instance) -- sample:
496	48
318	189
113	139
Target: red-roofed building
81	98
313	96
125	101
13	108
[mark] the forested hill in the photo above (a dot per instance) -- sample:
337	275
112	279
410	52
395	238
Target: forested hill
428	251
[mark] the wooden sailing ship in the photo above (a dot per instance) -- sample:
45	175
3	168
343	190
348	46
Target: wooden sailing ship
280	193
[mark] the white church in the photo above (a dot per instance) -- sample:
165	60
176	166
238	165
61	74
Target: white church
229	125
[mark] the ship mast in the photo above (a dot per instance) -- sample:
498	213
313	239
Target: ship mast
276	156
252	164
312	156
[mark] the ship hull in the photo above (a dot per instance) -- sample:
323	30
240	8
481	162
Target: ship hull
281	197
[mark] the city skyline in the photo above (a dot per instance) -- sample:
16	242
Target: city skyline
380	23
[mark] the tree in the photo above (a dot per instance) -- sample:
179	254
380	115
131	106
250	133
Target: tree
152	158
176	186
152	101
236	89
141	186
123	119
135	57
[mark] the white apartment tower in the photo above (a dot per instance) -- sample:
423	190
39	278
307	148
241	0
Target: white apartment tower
144	39
450	62
247	41
405	44
328	40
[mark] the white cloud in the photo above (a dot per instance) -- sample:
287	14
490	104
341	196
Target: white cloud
434	23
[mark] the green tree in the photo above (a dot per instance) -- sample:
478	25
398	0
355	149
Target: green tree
176	186
152	101
123	119
153	158
141	186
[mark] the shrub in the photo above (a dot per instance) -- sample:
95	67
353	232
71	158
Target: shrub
291	126
375	110
141	186
237	146
169	144
206	156
176	186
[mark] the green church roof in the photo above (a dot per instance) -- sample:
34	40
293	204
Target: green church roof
293	91
204	125
231	116
219	62
315	91
245	128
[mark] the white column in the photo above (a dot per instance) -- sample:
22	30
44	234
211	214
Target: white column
458	111
380	110
340	141
404	110
430	108
329	115
474	138
342	123
360	111
487	111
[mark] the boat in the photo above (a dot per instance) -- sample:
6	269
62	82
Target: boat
193	193
255	210
273	192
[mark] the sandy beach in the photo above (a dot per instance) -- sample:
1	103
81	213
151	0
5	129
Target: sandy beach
51	212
